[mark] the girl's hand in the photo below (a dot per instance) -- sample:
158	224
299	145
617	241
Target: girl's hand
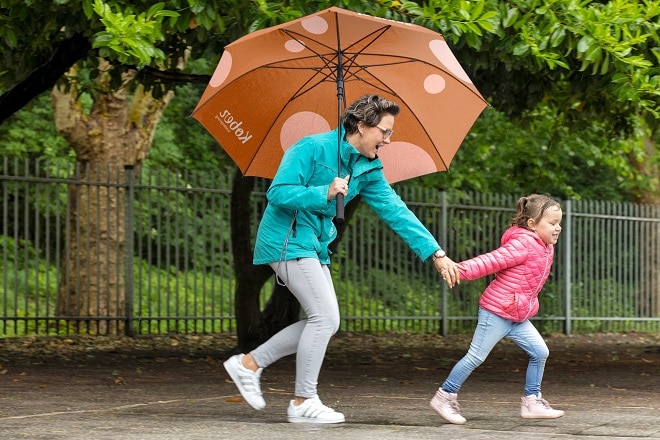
449	270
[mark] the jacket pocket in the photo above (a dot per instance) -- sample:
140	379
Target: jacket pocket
323	174
510	302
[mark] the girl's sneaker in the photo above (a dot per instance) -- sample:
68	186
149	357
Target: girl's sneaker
446	404
536	407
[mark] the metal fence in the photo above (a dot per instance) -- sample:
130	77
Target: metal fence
111	250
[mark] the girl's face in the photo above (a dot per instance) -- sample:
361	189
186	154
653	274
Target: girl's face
549	227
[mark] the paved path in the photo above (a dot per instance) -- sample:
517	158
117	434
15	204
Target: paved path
138	396
94	416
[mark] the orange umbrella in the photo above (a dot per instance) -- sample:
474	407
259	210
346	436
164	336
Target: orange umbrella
278	84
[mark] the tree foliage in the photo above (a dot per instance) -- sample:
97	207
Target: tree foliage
579	53
557	65
544	155
576	53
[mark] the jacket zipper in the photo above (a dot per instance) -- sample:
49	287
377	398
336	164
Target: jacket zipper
540	286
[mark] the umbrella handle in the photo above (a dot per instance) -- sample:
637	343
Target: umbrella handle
340	208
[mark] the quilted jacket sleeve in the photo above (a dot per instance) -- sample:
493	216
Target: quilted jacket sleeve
392	210
510	254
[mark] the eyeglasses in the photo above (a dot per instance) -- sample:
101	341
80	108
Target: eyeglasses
387	132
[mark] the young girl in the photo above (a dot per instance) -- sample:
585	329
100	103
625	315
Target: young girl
521	266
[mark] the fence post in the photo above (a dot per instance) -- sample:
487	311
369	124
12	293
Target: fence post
567	241
443	240
129	249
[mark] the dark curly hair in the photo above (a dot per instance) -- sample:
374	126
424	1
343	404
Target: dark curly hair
369	109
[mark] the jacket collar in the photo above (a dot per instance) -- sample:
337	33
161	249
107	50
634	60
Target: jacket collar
355	162
514	231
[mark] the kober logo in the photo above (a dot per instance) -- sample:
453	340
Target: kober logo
227	120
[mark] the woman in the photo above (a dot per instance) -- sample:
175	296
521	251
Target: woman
294	236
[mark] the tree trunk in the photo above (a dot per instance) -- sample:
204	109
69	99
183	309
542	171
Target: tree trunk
249	277
92	282
116	133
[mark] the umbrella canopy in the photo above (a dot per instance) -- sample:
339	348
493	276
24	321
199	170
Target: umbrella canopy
279	84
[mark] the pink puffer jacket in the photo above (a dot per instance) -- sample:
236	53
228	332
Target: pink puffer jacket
521	266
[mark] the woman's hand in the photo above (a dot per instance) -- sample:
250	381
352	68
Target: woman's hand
338	186
449	270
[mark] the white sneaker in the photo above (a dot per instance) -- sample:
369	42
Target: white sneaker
313	411
536	407
247	381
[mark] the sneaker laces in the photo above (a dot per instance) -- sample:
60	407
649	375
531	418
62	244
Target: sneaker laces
315	402
455	406
543	402
445	399
537	400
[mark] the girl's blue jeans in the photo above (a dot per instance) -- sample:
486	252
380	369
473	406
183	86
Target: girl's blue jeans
490	330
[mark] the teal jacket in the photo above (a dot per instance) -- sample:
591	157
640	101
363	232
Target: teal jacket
301	184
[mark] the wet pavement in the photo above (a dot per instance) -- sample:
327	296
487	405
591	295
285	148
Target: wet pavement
384	392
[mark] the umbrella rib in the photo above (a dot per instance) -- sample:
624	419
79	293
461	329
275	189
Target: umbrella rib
368	57
350	59
351	73
302	39
335	51
405	60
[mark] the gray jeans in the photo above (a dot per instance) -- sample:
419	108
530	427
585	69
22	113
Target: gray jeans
311	283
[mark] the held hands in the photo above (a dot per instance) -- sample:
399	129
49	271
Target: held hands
338	186
449	270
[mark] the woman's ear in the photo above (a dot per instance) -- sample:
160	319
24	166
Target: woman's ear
360	127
